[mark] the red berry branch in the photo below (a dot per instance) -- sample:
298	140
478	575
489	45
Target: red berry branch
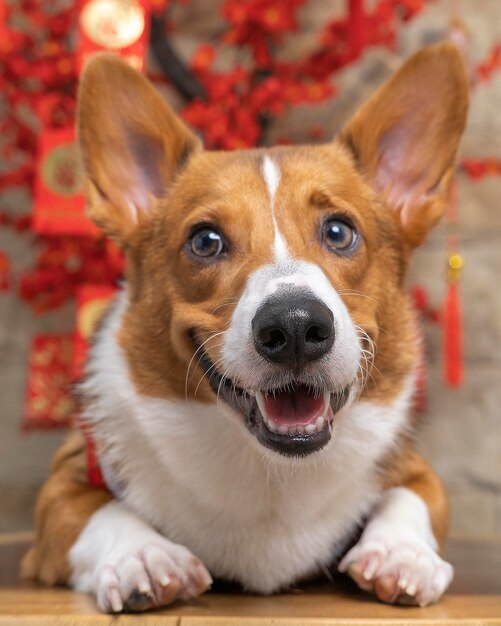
232	109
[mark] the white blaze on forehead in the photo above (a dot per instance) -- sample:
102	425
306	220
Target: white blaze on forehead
271	175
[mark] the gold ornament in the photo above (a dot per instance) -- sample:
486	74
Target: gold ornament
89	316
455	264
112	24
62	170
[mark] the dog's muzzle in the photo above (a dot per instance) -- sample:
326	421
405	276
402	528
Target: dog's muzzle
293	410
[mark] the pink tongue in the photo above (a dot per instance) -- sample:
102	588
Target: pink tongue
298	407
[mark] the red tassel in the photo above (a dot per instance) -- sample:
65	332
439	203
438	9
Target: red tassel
452	316
453	336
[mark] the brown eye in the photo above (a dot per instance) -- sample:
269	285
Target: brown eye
339	235
206	242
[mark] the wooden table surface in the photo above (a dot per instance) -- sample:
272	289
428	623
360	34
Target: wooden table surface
473	600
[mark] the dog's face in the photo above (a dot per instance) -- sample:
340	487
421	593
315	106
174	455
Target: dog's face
271	280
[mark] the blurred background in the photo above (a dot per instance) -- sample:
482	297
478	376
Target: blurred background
243	73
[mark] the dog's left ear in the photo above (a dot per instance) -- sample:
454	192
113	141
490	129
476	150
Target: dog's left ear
405	138
132	145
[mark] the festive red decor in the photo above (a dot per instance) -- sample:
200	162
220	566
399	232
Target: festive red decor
38	73
422	304
59	203
452	317
122	27
4	272
48	399
485	69
453	336
239	101
479	168
66	263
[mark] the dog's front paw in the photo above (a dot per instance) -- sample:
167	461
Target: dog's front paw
151	577
400	569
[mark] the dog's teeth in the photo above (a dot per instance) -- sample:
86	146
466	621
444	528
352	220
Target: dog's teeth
300	430
283	430
272	426
319	424
310	429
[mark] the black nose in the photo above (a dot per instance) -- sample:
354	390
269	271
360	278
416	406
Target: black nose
293	329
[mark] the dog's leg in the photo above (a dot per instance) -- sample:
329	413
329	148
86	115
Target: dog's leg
86	538
64	505
129	566
397	555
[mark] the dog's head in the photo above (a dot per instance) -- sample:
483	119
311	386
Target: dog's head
271	280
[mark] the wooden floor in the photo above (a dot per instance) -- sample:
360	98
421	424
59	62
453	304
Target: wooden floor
474	600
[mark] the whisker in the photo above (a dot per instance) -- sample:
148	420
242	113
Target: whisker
212	367
186	381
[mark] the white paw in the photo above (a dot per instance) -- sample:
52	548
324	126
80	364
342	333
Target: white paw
151	577
131	567
397	568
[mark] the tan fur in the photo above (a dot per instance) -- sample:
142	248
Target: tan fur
122	118
64	506
410	470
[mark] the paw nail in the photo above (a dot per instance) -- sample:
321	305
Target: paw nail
411	589
164	580
144	587
115	601
370	570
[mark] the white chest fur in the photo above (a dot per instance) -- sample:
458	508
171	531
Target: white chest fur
196	474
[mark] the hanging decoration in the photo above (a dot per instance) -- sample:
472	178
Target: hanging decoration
49	401
58	200
117	25
453	327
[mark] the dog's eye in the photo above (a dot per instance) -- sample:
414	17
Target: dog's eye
206	242
338	235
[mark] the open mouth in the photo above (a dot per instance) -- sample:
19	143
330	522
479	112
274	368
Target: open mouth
295	420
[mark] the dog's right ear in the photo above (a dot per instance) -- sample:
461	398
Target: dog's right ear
132	144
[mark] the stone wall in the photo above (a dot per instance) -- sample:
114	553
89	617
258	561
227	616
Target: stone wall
462	430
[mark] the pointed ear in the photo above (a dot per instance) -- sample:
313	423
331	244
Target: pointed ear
405	138
132	144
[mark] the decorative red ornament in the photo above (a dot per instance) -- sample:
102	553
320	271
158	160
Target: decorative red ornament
4	272
49	401
452	317
121	26
485	69
477	169
59	203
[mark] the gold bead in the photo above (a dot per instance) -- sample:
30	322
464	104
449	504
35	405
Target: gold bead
455	262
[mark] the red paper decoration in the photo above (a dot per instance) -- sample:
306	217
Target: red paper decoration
49	402
59	203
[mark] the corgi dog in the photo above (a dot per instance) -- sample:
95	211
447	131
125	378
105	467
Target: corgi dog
249	389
